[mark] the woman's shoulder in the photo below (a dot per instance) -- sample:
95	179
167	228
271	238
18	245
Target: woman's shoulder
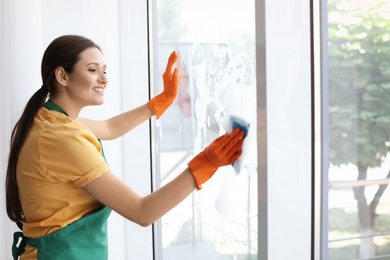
56	122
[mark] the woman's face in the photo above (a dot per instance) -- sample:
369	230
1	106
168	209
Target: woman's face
87	82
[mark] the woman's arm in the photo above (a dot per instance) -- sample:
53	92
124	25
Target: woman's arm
112	192
115	194
119	125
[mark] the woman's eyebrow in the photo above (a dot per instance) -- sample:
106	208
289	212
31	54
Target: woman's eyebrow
103	66
97	64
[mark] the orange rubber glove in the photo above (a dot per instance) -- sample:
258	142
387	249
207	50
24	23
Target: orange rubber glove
222	151
161	102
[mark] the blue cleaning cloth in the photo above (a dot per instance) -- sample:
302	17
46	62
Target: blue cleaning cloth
241	127
238	122
228	124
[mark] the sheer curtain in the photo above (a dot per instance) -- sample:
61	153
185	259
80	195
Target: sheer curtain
120	28
20	50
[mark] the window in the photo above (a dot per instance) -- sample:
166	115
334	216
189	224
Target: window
216	44
359	93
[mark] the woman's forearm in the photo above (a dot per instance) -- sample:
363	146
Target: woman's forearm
114	193
158	203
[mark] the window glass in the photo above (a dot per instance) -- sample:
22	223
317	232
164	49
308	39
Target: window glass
359	110
216	44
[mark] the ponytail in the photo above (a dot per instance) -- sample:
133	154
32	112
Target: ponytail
18	136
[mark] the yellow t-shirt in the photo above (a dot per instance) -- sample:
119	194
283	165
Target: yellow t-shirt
58	157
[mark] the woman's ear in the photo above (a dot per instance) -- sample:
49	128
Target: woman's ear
61	76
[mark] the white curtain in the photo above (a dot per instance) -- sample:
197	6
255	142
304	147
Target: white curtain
119	27
20	48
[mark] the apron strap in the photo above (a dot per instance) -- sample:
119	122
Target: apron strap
18	250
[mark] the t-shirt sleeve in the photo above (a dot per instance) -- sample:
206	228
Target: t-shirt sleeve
72	154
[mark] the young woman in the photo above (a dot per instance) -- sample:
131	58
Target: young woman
59	188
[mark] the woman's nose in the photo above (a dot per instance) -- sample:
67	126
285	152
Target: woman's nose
103	78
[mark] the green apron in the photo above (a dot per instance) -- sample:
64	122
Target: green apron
84	239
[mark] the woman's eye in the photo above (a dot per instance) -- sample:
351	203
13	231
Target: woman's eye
95	70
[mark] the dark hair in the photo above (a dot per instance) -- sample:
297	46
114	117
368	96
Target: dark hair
63	52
